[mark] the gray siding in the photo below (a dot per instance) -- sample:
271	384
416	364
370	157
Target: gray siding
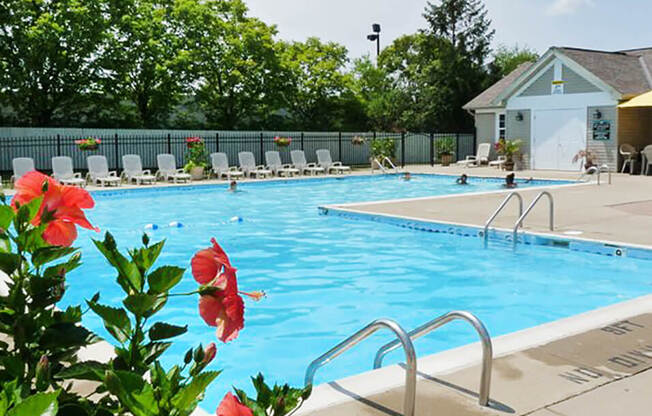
520	130
542	85
575	84
485	124
606	151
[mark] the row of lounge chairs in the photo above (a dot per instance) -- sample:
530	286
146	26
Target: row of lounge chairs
133	172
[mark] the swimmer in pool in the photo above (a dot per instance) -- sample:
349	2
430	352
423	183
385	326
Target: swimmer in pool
407	176
462	180
510	181
233	186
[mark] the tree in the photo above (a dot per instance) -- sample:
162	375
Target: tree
315	83
48	58
144	63
236	63
507	59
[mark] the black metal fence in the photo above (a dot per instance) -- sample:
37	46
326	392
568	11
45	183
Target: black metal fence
410	148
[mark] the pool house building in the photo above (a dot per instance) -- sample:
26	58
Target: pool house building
569	101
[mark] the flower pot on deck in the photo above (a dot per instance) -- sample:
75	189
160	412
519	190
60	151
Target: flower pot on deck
197	173
446	160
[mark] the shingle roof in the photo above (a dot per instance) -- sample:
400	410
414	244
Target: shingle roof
625	71
486	98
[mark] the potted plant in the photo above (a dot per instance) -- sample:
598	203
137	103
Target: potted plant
445	149
88	143
357	141
196	157
380	149
282	141
508	148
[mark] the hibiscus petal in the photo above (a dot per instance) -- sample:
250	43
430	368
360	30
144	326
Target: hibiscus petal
60	233
233	319
231	406
73	196
74	215
220	253
204	266
210	307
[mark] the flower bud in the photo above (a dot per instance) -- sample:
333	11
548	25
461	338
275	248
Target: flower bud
188	357
209	353
42	366
199	354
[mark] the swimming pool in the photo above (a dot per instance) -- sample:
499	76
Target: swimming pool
326	276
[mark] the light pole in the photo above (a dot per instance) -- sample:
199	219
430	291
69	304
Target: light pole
375	37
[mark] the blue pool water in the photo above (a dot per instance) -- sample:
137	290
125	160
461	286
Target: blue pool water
326	276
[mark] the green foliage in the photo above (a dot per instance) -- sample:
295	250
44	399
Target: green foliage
381	148
445	146
274	401
507	59
15	401
197	155
508	148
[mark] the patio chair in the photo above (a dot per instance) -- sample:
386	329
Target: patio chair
481	157
498	163
298	158
98	171
248	166
325	161
647	159
628	152
62	171
133	170
220	167
21	166
167	169
273	160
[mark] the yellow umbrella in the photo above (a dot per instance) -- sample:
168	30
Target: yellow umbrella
643	100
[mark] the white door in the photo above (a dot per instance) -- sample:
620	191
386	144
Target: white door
557	136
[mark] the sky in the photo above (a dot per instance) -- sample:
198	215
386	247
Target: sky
538	24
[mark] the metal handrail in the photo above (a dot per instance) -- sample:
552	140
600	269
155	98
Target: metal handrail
361	335
380	165
498	211
388	160
487	348
520	220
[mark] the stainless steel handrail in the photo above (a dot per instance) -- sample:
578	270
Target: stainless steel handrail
388	160
487	348
361	335
380	165
520	220
498	211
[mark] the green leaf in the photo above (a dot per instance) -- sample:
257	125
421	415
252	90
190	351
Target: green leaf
152	351
129	276
40	404
191	394
161	330
66	334
115	320
45	255
134	393
139	303
145	257
27	212
9	262
164	278
88	370
7	215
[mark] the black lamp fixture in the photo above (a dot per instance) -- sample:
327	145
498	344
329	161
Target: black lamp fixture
597	114
375	37
519	116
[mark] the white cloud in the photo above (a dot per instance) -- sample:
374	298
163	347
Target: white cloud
561	7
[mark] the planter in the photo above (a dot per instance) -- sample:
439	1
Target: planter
509	165
197	173
89	148
446	160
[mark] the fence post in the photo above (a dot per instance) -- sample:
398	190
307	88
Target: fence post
402	149
339	150
432	149
169	144
115	146
261	149
302	141
217	142
58	145
457	146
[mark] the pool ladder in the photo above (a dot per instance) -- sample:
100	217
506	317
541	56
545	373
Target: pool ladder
521	214
381	165
405	340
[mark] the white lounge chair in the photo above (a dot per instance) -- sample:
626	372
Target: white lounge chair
299	162
62	171
167	169
133	170
221	168
325	161
498	163
21	166
248	165
482	157
98	171
273	160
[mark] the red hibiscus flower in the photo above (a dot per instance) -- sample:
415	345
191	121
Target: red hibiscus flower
65	203
231	406
209	264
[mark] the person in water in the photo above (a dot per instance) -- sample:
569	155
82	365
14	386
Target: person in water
462	180
233	186
510	181
407	176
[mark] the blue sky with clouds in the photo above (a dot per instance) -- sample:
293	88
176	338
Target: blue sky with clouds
595	24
